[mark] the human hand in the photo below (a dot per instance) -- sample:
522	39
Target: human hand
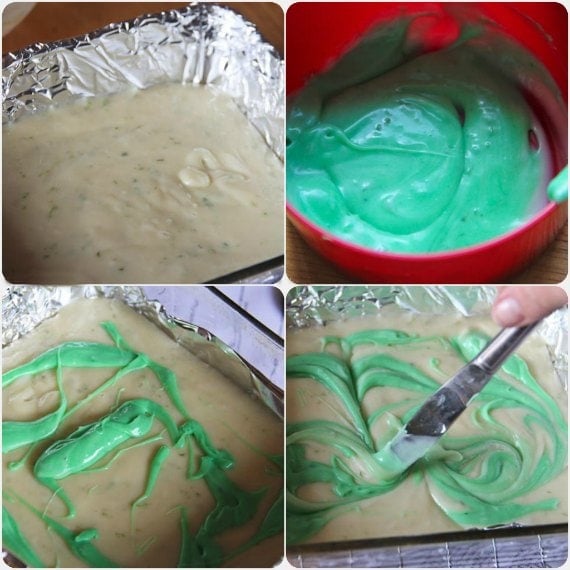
522	305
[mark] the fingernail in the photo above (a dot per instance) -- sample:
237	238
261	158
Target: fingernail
508	312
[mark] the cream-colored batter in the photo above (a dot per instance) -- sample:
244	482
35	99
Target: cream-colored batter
411	507
167	185
234	421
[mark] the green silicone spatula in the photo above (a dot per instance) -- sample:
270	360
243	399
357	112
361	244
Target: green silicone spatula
557	189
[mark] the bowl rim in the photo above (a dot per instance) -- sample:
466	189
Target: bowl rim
544	213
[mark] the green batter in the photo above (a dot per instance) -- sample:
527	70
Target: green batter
404	151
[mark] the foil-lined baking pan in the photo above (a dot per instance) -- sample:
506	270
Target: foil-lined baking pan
25	307
498	547
201	44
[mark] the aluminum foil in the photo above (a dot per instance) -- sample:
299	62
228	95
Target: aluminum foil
510	546
25	307
310	306
317	305
202	43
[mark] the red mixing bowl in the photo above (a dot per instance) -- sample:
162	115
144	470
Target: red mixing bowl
319	33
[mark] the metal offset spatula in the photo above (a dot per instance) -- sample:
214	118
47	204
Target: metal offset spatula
443	407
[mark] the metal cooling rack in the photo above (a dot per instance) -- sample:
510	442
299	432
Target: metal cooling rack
548	550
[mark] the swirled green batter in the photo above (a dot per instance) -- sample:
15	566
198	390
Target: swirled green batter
56	455
512	439
400	150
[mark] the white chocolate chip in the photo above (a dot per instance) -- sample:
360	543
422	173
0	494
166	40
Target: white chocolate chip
194	177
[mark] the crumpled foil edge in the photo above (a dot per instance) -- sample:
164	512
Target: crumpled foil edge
25	307
309	306
202	43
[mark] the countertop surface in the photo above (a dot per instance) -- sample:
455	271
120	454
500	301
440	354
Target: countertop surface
59	20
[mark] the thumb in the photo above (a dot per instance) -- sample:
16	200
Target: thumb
517	306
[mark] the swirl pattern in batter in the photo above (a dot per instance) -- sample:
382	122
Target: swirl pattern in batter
347	400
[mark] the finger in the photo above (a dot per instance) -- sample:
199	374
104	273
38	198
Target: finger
518	305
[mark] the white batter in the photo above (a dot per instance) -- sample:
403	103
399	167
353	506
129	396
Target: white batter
167	185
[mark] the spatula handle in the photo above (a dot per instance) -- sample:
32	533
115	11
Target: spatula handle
501	347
